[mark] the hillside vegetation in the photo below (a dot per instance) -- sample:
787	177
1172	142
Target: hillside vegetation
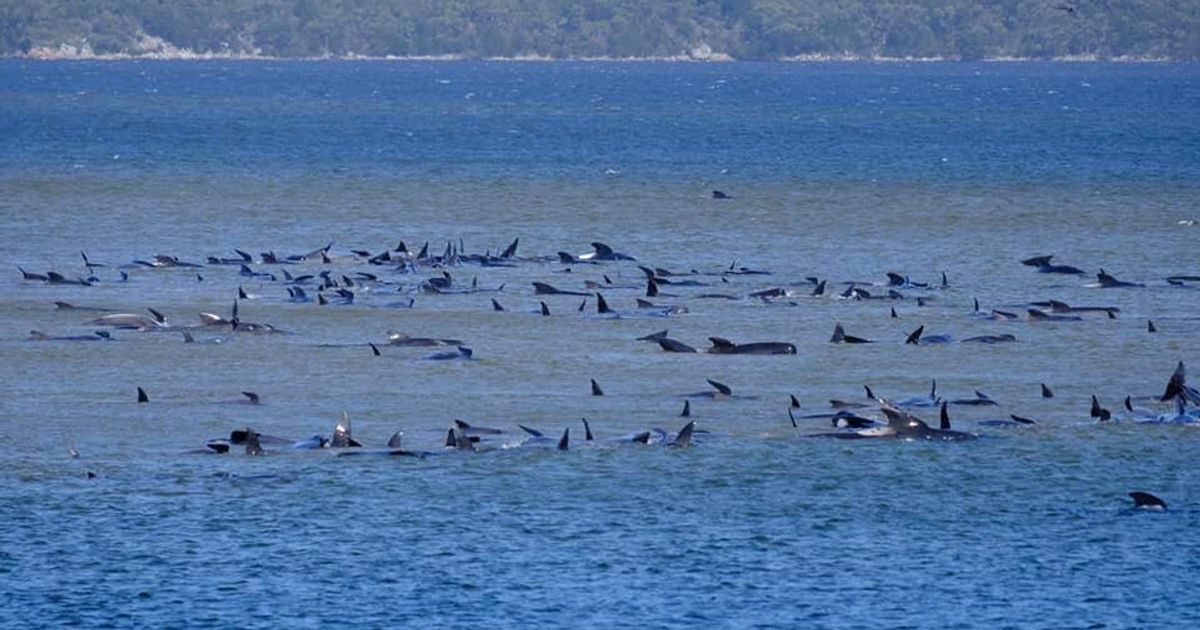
742	29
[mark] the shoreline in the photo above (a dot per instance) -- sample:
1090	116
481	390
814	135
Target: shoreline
71	54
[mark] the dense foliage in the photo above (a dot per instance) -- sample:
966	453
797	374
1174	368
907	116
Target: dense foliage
744	29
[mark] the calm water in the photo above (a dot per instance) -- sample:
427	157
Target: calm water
842	172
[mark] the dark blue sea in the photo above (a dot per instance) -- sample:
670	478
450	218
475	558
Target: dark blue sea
114	515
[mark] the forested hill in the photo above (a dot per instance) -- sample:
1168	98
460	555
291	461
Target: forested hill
741	29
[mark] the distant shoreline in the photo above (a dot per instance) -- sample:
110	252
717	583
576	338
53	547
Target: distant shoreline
70	54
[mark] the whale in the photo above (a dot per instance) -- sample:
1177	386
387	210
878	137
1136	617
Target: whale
1043	265
721	345
600	251
840	336
902	425
1058	306
541	288
1147	501
980	400
991	339
1038	315
400	339
99	335
1107	281
918	338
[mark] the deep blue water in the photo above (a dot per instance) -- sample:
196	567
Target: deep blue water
838	171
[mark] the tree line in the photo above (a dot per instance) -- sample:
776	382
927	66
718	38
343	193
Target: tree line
742	29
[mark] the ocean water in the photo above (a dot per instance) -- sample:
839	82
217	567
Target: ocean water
842	172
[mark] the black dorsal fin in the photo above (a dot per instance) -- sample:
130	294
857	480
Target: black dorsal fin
1129	404
1150	326
820	290
396	440
496	306
583	305
1176	384
687	409
870	394
721	342
596	391
251	397
374	349
684	438
651	288
565	441
587	430
914	337
534	432
602	250
141	396
602	304
545	310
158	317
839	334
795	402
1147	500
933	389
511	250
1047	392
945	417
644	303
976	301
724	389
894	315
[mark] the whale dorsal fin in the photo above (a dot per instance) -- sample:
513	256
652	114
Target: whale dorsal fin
795	402
511	250
644	303
251	397
721	342
496	306
839	333
374	349
724	389
945	417
604	251
684	438
914	338
565	441
587	430
545	310
1047	392
141	396
820	290
651	288
533	432
596	391
602	304
1147	500
1176	384
687	409
395	440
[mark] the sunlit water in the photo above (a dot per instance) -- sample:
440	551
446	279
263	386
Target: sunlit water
842	172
